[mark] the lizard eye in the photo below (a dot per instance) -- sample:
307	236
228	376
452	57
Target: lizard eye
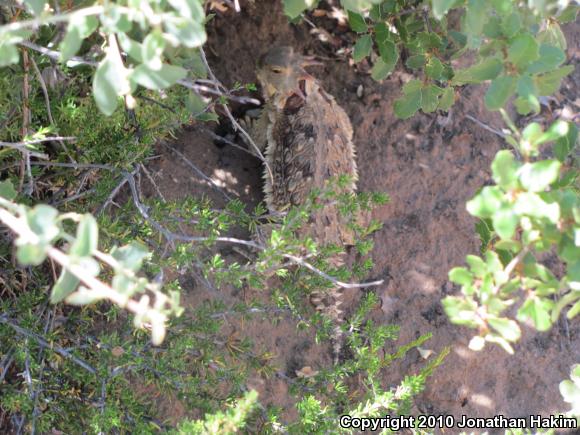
276	70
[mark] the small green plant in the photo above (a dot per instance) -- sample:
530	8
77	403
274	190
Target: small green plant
532	210
229	422
41	228
129	52
570	390
520	47
137	40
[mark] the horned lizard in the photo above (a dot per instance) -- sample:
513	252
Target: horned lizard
307	138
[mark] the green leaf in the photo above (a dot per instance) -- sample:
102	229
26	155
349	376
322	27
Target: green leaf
8	54
429	41
430	98
569	14
83	297
504	168
376	13
461	311
477	265
116	20
536	177
526	86
475	18
189	9
195	104
158	79
416	61
550	58
131	256
434	68
362	48
487	69
507	328
79	28
357	22
189	33
36	6
30	254
511	24
381	70
553	35
570	391
530	204
523	50
503	7
486	202
527	105
461	276
152	50
527	101
500	90
565	144
389	53
492	28
568	250
530	135
382	32
476	344
483	228
440	7
7	190
196	66
42	221
557	130
573	312
538	310
498	339
549	83
447	98
508	245
109	83
131	47
65	285
293	8
406	106
505	222
87	238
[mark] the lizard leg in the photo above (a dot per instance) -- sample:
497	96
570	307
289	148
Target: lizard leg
257	129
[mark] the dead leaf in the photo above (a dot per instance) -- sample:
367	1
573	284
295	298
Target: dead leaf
306	372
425	353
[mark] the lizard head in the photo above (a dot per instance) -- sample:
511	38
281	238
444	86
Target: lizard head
280	71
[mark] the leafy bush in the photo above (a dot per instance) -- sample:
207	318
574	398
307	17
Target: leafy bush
534	208
519	47
129	51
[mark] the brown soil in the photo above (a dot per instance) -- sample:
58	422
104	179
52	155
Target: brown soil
430	166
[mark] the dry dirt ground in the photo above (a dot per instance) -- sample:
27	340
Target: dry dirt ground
430	165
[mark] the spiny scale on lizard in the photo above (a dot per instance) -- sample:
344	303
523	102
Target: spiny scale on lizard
308	140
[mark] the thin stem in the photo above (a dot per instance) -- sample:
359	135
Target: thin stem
42	21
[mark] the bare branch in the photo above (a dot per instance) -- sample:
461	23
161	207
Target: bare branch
55	55
310	267
21	146
198	171
486	127
172	237
47	102
237	126
42	21
44	343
